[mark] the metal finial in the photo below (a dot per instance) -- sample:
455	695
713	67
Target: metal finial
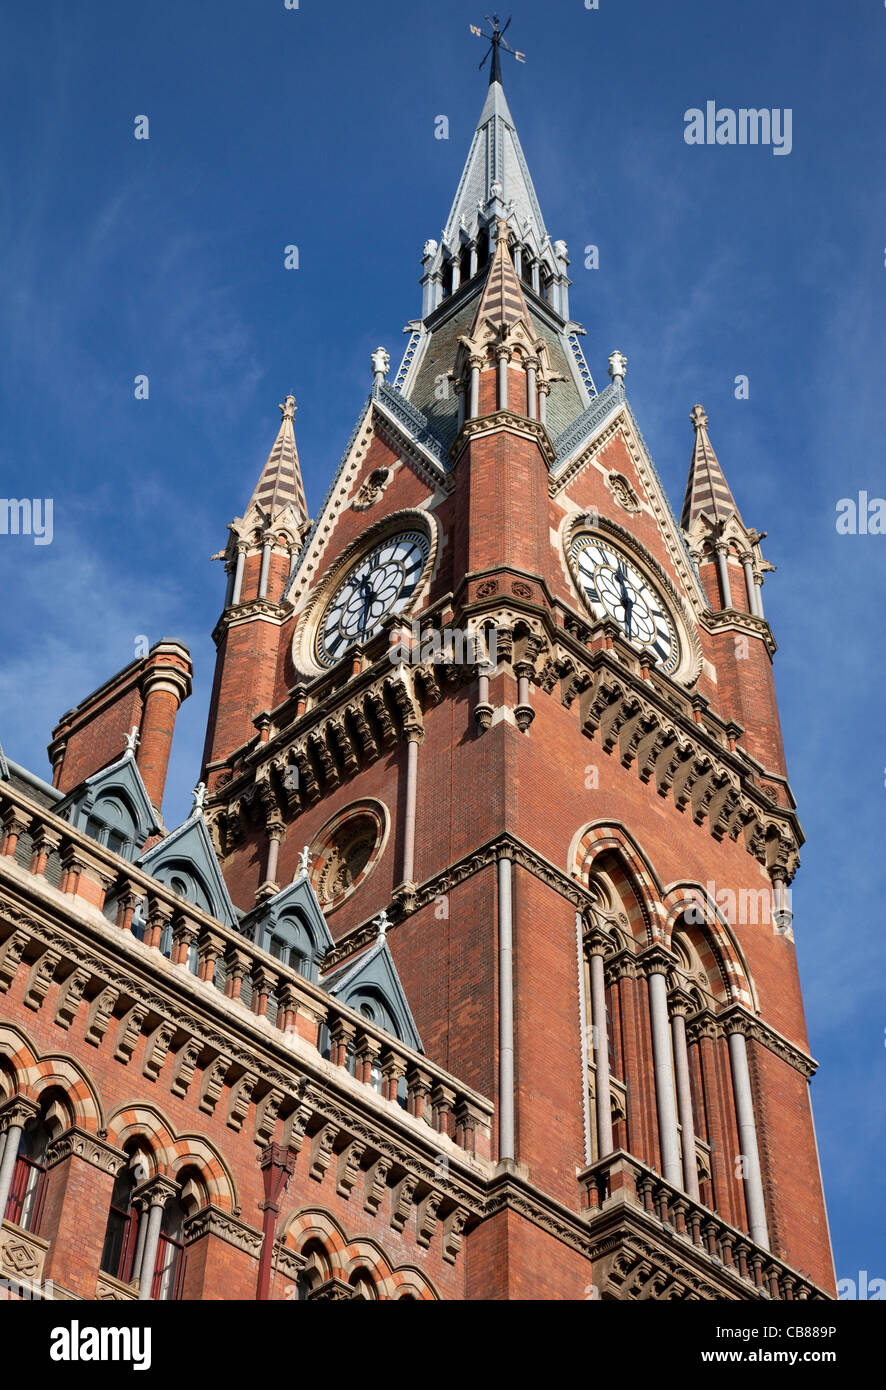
496	43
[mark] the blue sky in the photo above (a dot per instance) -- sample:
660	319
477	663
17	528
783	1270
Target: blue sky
316	127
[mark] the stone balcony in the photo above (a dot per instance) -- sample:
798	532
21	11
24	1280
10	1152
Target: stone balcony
649	1240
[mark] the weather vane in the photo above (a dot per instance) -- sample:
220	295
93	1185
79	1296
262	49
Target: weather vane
496	43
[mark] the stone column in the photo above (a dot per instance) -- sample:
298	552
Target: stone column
475	364
747	1131
265	567
238	572
657	963
531	389
750	584
543	393
414	738
722	552
503	355
152	1195
229	590
681	1005
276	833
13	1118
505	1009
758	586
595	947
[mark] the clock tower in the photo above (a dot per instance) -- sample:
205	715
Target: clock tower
525	718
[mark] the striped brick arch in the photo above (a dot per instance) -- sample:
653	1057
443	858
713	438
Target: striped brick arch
633	877
346	1258
33	1074
712	938
171	1155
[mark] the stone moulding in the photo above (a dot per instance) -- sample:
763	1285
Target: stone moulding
211	1221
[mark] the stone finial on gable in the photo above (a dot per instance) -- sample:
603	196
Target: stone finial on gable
381	365
618	366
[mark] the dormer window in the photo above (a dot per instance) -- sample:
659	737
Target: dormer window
112	823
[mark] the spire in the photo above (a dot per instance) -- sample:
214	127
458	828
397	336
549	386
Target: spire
707	490
280	484
495	170
502	302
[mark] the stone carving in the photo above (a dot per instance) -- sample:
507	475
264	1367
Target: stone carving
372	488
622	491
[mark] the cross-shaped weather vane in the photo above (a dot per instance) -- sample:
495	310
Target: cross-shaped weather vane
496	43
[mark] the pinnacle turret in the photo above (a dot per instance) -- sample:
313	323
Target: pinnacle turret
707	491
280	484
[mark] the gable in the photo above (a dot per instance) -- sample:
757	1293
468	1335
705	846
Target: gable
291	927
185	861
113	807
371	986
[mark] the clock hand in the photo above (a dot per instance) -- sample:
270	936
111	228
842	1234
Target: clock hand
626	599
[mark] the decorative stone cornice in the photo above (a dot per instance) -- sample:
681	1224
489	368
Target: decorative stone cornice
521	425
733	620
211	1221
79	1143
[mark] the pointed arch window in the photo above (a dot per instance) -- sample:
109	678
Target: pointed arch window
482	248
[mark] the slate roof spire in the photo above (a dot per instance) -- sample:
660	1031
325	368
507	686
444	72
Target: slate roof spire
280	484
502	302
707	491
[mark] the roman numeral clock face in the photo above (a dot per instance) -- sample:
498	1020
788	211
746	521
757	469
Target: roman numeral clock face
616	588
379	586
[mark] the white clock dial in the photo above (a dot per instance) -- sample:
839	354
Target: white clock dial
613	586
379	586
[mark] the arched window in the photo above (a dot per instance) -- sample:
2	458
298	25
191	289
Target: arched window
121	1232
464	264
24	1205
482	248
526	267
293	944
113	822
546	282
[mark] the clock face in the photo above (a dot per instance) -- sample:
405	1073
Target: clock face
380	585
612	585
